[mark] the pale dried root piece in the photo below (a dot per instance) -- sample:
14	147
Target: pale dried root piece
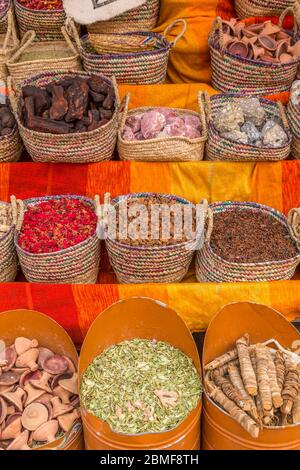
275	389
237	382
280	368
290	392
262	361
296	409
247	372
222	360
236	413
223	370
228	389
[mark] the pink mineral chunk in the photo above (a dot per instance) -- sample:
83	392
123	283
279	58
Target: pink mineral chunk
128	134
134	122
192	121
152	123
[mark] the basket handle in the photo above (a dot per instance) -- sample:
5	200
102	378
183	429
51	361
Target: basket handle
283	115
294	223
27	40
115	85
12	95
11	30
171	26
217	26
68	40
71	30
203	103
124	112
210	222
293	11
17	206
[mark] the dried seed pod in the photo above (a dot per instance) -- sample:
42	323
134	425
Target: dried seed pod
57	378
59	408
15	398
9	378
71	384
263	380
63	394
33	394
55	365
8	358
29	375
67	421
42	383
44	353
34	415
21	442
28	359
247	372
46	432
12	428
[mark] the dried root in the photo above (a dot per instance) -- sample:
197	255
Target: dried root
263	377
275	389
222	360
247	371
290	392
280	368
228	389
296	409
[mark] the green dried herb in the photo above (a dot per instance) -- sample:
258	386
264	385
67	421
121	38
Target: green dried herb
141	386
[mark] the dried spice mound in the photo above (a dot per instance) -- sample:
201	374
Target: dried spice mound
141	386
158	224
42	4
55	225
244	236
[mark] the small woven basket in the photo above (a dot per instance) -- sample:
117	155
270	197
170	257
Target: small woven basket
294	223
151	264
83	147
234	74
219	148
146	65
11	146
8	42
293	114
143	18
8	254
246	8
165	149
78	264
46	23
33	57
212	268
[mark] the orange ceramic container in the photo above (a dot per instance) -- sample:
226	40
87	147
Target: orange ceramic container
125	320
50	335
219	430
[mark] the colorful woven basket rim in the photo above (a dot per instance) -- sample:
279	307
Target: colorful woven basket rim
214	44
35	201
262	100
166	45
180	199
271	211
65	73
34	11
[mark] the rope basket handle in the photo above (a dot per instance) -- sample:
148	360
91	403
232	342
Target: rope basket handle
283	115
210	223
68	40
204	105
217	26
171	26
26	41
293	11
115	86
72	32
11	31
294	223
124	111
12	95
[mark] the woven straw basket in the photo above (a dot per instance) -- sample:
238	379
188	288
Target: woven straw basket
146	65
212	268
46	23
78	264
143	18
220	148
8	41
8	254
246	8
11	146
294	223
293	113
233	74
152	264
165	149
84	147
36	57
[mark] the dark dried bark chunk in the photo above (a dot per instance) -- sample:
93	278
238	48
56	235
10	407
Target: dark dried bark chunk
77	96
59	106
42	99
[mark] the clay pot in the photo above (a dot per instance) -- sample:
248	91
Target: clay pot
10	410
33	394
295	50
227	40
44	399
23	344
249	34
8	358
34	416
44	353
57	378
3	410
258	52
268	58
268	43
28	359
269	29
55	365
228	26
286	58
239	48
6	388
255	28
63	394
59	408
21	442
282	48
75	401
42	383
66	421
46	432
15	398
250	41
20	370
71	385
238	29
13	427
71	367
9	378
282	35
29	375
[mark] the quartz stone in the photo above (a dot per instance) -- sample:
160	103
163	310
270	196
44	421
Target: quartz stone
252	132
229	118
252	110
236	136
273	135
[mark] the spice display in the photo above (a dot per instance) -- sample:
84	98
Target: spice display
270	404
149	210
245	236
265	42
247	122
42	4
7	120
37	404
159	123
3	6
141	386
55	225
74	104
